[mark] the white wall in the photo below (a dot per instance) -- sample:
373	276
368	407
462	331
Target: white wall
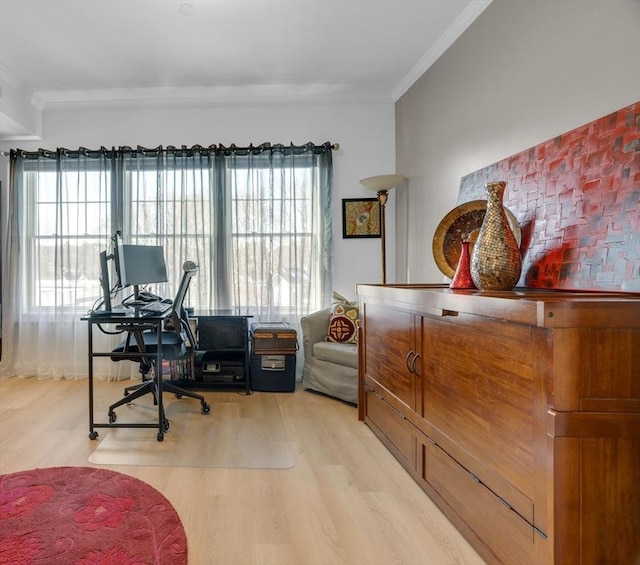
521	74
365	133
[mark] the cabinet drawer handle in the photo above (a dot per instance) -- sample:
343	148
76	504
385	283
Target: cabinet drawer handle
413	365
381	399
474	477
406	360
540	532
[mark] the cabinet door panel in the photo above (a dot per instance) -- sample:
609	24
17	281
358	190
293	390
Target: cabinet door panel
391	350
610	500
478	388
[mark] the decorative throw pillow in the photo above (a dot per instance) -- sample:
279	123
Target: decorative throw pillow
344	320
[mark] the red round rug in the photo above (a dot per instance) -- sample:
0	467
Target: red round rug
86	516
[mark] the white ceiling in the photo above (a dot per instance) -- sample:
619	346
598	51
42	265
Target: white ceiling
227	51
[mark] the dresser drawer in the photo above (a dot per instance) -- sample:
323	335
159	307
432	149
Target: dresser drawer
507	535
397	433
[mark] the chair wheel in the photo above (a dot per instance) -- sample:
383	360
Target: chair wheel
160	436
205	408
166	425
93	435
112	417
178	395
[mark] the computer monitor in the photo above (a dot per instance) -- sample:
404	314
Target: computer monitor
105	283
117	245
140	265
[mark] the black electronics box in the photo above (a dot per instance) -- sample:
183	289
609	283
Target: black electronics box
215	367
273	373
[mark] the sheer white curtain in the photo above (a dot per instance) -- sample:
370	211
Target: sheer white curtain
257	221
280	215
169	200
59	220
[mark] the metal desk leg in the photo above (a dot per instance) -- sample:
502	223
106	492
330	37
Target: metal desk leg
92	433
163	422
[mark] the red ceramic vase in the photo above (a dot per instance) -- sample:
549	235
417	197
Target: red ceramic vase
462	277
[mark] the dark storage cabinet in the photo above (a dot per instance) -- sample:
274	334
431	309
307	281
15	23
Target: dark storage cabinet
273	357
221	358
273	373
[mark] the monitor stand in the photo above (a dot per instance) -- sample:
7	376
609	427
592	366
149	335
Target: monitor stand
136	302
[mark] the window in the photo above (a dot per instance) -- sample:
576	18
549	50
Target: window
257	221
272	230
64	217
252	221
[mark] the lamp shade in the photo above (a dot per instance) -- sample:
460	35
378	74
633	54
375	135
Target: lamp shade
382	182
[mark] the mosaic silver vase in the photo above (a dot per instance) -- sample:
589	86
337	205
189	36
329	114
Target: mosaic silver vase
496	262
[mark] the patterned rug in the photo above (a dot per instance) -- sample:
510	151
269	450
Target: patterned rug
86	516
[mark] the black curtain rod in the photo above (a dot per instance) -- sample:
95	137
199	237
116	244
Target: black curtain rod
219	148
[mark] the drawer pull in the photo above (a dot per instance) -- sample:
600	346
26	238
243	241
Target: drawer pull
413	365
396	412
476	479
540	532
406	360
410	361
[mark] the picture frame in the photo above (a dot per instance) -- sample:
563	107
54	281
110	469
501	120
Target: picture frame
360	217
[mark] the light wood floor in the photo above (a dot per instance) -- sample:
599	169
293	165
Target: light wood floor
346	500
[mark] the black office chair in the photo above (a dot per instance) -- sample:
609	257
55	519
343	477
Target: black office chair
177	344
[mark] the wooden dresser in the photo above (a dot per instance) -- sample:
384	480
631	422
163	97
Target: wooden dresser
518	413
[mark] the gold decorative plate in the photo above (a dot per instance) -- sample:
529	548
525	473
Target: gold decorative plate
463	221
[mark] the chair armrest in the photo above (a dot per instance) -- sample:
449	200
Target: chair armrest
314	328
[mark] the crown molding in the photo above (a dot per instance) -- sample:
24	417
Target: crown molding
200	96
455	30
9	79
21	109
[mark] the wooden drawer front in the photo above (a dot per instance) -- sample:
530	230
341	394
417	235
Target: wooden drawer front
478	389
392	428
596	369
390	351
509	537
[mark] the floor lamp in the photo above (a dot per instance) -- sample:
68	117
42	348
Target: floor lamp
382	184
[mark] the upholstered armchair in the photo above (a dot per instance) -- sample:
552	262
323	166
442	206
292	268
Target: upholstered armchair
329	367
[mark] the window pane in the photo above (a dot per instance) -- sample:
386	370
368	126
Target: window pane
272	242
64	229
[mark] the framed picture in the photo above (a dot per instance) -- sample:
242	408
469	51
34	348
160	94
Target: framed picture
360	217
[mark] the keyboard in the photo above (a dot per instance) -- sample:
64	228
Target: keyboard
154	308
